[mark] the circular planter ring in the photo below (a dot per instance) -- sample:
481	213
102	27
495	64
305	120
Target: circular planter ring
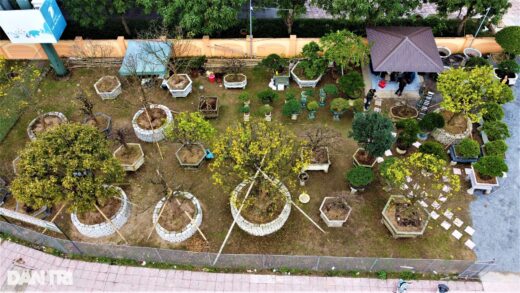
108	127
105	228
154	135
472	52
446	138
116	91
30	132
445	50
188	231
261	229
235	84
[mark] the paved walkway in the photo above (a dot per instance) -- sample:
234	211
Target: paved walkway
88	276
496	217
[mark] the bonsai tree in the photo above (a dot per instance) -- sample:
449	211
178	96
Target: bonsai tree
493	112
188	129
352	84
490	166
496	148
496	130
475	61
508	68
292	107
345	49
71	164
266	109
431	121
408	134
87	107
274	63
331	89
434	148
267	96
319	138
466	91
467	148
245	109
339	105
359	177
313	106
373	132
509	39
244	97
314	65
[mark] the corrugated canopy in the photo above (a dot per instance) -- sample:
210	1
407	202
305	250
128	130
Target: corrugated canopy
403	49
146	58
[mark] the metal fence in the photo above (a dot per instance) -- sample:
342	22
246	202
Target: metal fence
245	261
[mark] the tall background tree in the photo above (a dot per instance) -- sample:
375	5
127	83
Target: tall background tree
288	10
196	16
369	11
95	13
345	49
470	8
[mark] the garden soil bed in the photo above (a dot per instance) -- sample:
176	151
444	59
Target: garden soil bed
45	123
404	112
178	82
300	72
107	84
129	155
364	158
191	155
336	209
404	218
157	117
263	205
320	156
94	217
480	179
235	78
101	122
173	217
457	125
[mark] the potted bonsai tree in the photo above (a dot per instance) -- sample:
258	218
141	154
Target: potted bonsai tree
72	165
428	123
407	134
318	142
99	120
476	61
308	72
495	148
495	130
234	78
312	107
266	110
485	172
335	211
305	96
352	85
509	69
267	96
190	129
291	109
130	155
373	132
278	67
466	151
247	112
338	106
359	177
244	97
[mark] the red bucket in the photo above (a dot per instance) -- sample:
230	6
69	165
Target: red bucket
382	83
211	78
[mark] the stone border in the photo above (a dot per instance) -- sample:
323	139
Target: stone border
261	229
154	135
304	82
446	138
32	135
188	231
112	94
402	234
105	228
182	93
235	84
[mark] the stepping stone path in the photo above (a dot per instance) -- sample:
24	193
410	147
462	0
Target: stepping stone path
436	205
469	230
448	214
457	171
416	144
434	215
423	203
470	244
458	222
456	234
446	225
388	153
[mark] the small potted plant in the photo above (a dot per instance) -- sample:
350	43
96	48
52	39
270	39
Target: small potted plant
359	177
267	96
351	84
408	130
312	107
328	90
291	109
485	173
99	120
338	106
428	123
247	112
266	110
245	98
466	151
130	155
495	148
335	211
308	72
509	69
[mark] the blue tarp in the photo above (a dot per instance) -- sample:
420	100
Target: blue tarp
146	58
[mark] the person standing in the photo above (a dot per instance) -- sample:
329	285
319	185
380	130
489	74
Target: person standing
402	84
368	99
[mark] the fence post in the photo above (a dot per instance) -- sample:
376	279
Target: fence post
121	46
206	47
293	45
467	40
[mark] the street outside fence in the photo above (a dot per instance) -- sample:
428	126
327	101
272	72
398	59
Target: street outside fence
245	261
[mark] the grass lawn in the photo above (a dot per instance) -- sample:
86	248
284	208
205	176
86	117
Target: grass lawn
363	234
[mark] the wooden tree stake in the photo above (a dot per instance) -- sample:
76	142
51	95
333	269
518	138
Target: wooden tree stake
109	221
55	216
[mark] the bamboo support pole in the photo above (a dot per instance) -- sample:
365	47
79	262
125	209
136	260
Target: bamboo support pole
109	221
55	216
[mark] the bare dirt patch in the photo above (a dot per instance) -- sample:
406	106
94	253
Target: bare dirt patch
154	120
407	218
109	209
178	82
235	78
98	121
336	209
128	155
107	84
455	123
404	111
45	123
173	217
191	154
320	156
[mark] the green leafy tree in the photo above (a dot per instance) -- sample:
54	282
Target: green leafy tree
509	39
352	84
291	107
472	8
360	176
467	91
313	65
288	10
496	130
345	48
373	132
189	128
72	164
370	11
196	16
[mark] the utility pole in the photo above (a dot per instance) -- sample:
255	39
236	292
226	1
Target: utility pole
251	28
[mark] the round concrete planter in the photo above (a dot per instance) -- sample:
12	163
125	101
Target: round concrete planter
108	95
154	135
193	165
266	228
512	81
186	232
330	222
235	84
446	138
134	166
30	132
105	228
107	128
357	163
396	117
304	82
398	232
180	93
444	52
472	52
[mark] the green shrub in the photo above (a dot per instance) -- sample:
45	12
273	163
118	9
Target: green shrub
360	176
433	148
339	105
477	62
359	105
493	112
245	109
509	67
382	275
407	275
267	96
243	97
496	130
408	135
496	148
331	89
274	63
431	121
491	166
265	109
291	107
313	106
509	39
373	132
352	84
467	148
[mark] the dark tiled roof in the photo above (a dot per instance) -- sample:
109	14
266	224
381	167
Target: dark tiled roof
403	49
